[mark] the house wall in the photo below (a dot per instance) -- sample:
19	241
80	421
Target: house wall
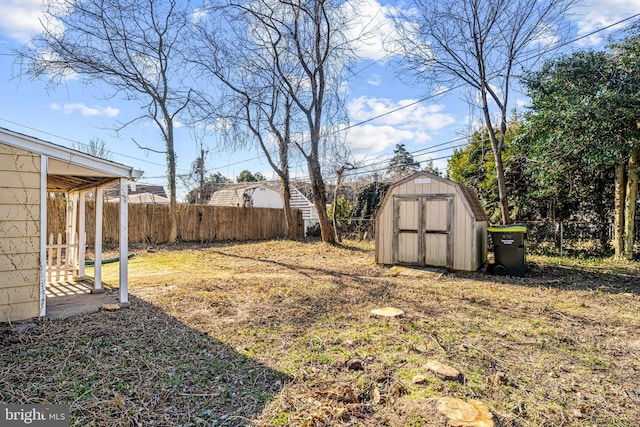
466	234
263	197
19	234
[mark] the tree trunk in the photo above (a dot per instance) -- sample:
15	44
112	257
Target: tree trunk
496	147
171	166
320	201
336	235
618	209
502	187
603	226
292	232
325	226
630	204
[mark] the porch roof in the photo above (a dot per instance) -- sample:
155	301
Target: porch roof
70	169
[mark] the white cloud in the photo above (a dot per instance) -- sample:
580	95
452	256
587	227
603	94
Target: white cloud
373	28
375	80
404	113
375	139
198	15
20	19
592	15
412	125
85	110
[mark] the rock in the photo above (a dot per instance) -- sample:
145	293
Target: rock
419	379
387	312
420	348
465	414
355	364
443	371
110	307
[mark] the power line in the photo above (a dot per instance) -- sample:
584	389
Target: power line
448	90
350	126
431	96
137	159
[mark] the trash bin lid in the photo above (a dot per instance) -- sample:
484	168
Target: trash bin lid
515	228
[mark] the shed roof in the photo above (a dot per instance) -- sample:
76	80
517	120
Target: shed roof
474	203
469	196
69	169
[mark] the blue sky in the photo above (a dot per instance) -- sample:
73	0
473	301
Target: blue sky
77	113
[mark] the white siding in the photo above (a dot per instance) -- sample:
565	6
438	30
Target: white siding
263	197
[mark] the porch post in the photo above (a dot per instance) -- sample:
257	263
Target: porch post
82	237
124	242
44	168
97	277
73	235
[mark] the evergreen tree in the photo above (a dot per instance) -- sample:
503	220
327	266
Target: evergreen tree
402	162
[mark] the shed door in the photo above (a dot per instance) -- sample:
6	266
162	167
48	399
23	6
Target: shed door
423	230
407	226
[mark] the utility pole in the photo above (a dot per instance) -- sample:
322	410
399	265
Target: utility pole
200	193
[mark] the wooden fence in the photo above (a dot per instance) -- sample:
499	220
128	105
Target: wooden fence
150	223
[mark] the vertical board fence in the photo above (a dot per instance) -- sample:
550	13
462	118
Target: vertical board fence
149	223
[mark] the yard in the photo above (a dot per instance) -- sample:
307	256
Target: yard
280	333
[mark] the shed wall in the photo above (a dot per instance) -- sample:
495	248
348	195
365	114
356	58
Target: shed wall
468	248
19	234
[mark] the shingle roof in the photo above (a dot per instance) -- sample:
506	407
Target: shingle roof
474	203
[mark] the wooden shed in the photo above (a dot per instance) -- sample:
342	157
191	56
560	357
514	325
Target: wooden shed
427	220
30	169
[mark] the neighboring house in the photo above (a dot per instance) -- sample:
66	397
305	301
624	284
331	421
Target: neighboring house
254	195
263	195
31	168
309	211
143	194
142	198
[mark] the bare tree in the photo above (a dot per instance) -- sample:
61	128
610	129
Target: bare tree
253	104
479	44
96	147
305	52
132	46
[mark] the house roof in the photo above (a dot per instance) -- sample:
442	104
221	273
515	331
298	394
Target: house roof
232	195
154	190
143	198
69	169
469	196
225	197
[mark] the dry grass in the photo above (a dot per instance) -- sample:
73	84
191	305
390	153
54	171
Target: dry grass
260	333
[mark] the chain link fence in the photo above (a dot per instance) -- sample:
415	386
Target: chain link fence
560	238
572	238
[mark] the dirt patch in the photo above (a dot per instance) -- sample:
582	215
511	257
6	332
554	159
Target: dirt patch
269	333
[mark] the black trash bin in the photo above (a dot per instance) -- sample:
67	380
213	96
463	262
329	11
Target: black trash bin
509	249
